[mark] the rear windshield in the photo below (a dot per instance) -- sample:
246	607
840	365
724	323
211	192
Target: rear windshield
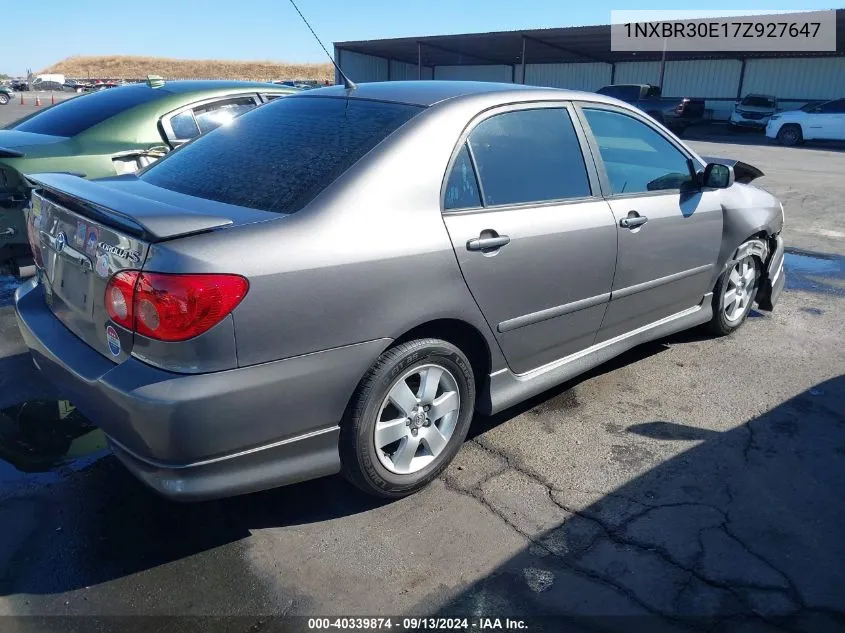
279	156
71	117
759	102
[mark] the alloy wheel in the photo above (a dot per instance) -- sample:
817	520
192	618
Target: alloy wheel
739	289
417	419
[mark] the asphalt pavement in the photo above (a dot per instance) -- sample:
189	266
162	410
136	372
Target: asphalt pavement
695	482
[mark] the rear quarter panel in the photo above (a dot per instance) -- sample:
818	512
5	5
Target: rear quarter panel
368	259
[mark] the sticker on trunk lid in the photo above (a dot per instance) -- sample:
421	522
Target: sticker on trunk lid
91	240
113	340
103	265
79	237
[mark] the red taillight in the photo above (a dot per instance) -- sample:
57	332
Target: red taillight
171	307
119	298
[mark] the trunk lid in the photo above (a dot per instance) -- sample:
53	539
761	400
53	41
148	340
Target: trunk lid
76	256
80	240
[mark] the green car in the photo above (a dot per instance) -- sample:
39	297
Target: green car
108	133
6	95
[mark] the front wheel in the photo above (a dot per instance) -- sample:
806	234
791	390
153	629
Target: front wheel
4	99
790	135
734	295
408	418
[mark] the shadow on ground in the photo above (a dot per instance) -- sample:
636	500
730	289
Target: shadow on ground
110	526
741	531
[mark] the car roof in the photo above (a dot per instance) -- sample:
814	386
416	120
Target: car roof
427	93
198	85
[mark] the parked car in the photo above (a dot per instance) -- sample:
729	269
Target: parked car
20	85
339	279
72	85
48	81
6	95
815	121
677	113
107	133
753	111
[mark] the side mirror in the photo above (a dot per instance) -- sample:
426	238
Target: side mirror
717	176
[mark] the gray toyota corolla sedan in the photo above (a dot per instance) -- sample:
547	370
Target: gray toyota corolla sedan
338	280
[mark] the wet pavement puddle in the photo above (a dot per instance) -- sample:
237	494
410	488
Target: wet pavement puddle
41	439
815	272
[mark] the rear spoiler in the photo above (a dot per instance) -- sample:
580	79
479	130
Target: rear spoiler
743	172
140	217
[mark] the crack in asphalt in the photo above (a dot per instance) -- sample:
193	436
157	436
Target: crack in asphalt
616	536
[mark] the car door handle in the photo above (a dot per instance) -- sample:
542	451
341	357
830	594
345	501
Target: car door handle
633	220
487	243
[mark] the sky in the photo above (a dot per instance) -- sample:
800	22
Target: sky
271	30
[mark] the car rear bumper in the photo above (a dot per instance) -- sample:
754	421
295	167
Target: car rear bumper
202	436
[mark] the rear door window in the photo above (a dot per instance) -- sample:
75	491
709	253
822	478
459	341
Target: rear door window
279	157
213	115
184	126
192	122
462	186
527	156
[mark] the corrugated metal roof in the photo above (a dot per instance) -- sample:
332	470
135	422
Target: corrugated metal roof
572	44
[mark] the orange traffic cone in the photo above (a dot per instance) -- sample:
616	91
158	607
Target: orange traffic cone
37	101
52	98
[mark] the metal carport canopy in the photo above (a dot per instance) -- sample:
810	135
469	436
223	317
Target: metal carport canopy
570	44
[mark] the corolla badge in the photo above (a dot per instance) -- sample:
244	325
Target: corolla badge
61	242
124	253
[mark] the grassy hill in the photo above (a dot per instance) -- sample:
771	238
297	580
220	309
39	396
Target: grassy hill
128	67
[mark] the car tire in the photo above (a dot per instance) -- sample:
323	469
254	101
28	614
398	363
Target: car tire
737	284
390	446
790	135
4	99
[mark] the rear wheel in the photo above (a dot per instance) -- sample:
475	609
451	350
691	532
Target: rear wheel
408	418
790	134
4	98
734	295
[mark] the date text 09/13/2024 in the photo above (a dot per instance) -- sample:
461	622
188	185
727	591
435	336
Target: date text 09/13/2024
416	624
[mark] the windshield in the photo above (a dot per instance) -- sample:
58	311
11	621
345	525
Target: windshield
812	105
280	156
69	118
758	101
